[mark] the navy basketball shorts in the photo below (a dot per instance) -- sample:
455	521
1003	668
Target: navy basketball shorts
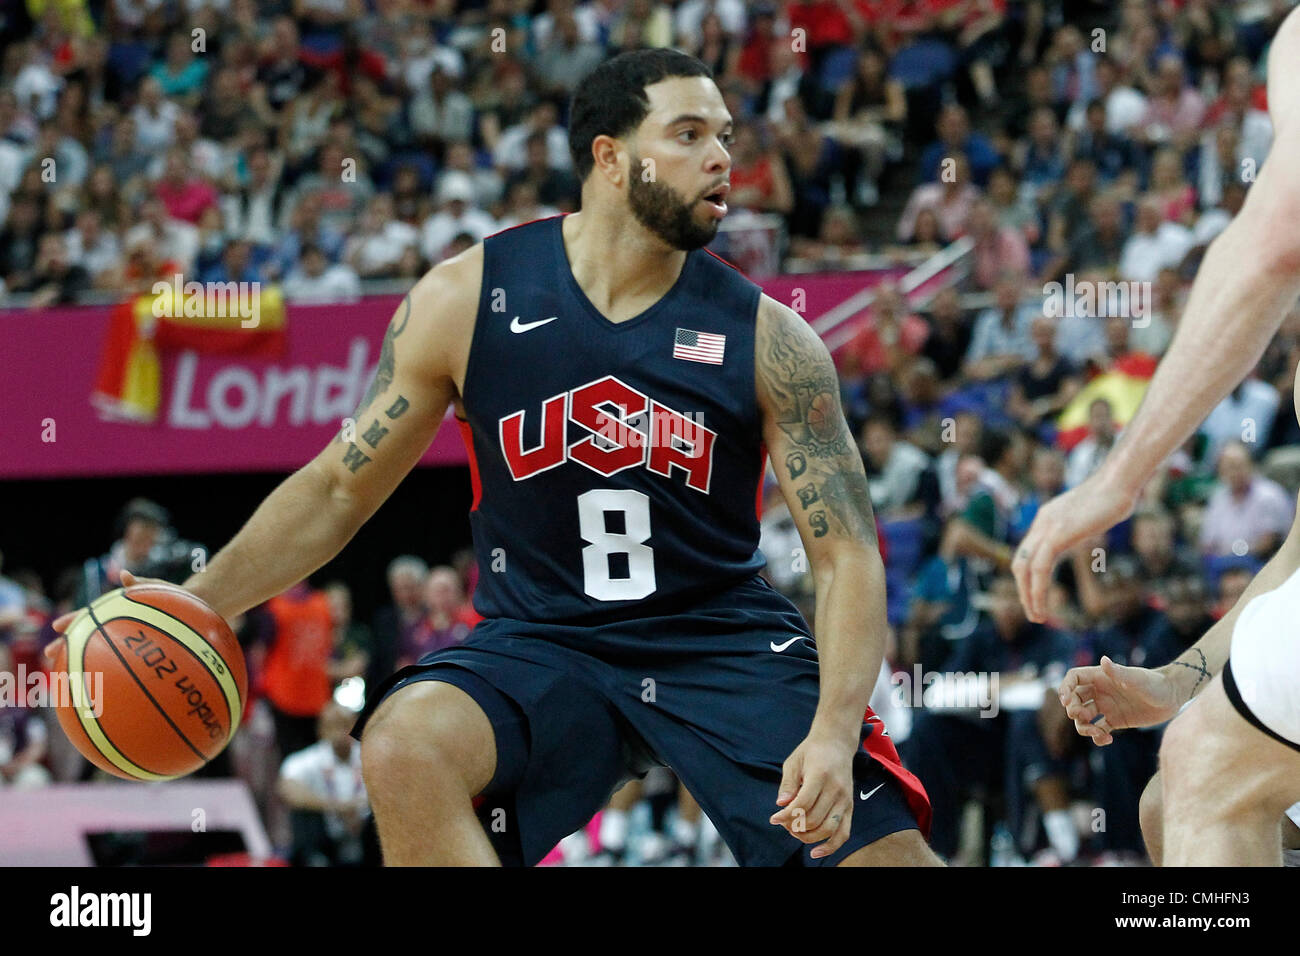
721	694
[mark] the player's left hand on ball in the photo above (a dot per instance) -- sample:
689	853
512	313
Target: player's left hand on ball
816	794
60	623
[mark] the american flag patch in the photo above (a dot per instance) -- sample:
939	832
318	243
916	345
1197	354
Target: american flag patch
699	346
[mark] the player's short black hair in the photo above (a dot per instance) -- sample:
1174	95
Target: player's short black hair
611	101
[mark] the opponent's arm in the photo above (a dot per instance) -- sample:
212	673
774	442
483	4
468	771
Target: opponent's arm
1248	281
310	517
821	475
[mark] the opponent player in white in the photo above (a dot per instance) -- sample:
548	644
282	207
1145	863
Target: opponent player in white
1230	765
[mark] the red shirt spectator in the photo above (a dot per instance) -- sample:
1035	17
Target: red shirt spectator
296	676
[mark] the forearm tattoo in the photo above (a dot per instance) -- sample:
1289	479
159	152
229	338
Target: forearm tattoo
803	394
1202	673
355	455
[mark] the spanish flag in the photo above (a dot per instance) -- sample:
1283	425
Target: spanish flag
232	318
1123	385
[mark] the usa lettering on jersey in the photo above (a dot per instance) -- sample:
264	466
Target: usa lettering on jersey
626	429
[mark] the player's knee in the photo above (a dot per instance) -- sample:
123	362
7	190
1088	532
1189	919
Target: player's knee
411	745
1151	818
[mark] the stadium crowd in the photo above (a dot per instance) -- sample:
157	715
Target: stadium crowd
323	144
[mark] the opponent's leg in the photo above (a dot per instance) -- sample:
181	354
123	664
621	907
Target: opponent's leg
1226	785
1151	812
1151	819
426	753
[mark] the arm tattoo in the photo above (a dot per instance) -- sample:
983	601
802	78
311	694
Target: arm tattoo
1199	668
803	398
354	456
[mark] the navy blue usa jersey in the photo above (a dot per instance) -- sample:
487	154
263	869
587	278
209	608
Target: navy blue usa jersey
616	466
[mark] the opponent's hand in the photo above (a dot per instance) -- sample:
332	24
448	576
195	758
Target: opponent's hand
816	793
1091	508
60	624
1106	697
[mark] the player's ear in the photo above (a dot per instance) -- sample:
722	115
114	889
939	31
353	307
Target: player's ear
610	159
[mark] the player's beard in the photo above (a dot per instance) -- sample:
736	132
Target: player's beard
661	209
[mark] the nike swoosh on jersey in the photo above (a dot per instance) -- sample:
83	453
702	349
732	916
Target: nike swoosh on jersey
867	796
780	647
517	326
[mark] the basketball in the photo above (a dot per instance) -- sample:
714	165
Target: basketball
156	682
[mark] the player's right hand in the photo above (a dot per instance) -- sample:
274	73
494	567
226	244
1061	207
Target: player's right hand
60	623
1106	697
1094	506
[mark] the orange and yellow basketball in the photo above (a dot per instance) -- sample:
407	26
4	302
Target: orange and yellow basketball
157	681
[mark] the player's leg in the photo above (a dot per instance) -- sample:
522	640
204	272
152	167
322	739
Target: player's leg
426	753
904	848
1151	818
1228	779
1150	810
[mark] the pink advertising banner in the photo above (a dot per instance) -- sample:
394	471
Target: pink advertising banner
218	412
224	413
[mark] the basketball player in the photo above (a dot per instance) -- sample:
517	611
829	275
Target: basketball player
618	387
1230	764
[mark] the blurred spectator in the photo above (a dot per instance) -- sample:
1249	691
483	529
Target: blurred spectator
950	334
1246	513
55	279
13	606
894	335
565	57
296	675
316	281
1245	414
951	200
1088	455
395	623
1002	752
179	240
146	546
1096	247
1175	109
456	215
894	468
956	138
838	243
22	739
447	618
1001	342
1159	558
93	247
998	249
510	152
376	247
1046	481
352	639
1043	387
321	785
154	117
1156	243
759	181
869	114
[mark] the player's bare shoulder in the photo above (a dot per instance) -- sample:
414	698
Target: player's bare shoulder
442	307
1283	79
796	380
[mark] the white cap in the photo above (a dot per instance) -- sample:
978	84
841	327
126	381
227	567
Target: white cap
456	184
